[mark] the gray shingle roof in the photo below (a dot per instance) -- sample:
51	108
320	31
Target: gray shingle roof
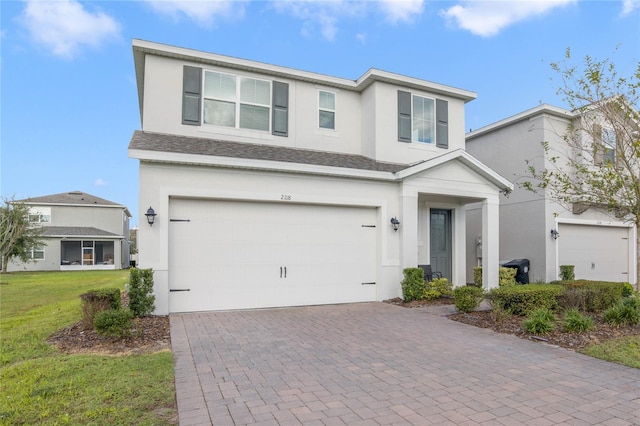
73	197
75	231
147	141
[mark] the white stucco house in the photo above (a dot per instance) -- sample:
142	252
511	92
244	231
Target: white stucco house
600	245
79	232
278	187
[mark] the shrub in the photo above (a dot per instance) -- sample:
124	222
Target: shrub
468	298
413	285
477	276
114	323
95	301
576	322
522	299
627	290
567	272
625	312
572	298
507	276
141	298
540	322
437	288
596	295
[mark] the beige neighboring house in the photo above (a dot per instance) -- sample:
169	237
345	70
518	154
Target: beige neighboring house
600	245
79	232
273	186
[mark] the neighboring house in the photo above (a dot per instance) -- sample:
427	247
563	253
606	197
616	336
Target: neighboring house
79	232
532	226
278	187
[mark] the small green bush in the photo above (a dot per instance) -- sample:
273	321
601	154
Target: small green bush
596	296
567	272
468	298
540	322
507	276
625	312
413	285
627	290
437	288
141	298
576	322
95	301
523	299
477	276
114	323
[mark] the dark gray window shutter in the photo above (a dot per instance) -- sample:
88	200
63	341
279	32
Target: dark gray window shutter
280	117
191	95
404	116
442	123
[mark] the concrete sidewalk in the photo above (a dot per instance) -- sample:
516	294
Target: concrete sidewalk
379	364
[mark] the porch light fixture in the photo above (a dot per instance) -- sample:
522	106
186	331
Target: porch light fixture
151	216
395	223
554	234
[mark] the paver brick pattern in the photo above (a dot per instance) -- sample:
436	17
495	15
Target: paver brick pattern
379	364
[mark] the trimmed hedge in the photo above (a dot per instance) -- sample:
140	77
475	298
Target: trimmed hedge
467	299
506	276
95	301
523	299
413	285
141	298
114	323
591	296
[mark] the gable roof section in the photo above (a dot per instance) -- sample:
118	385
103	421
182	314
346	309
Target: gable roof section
156	142
73	198
188	150
141	48
77	231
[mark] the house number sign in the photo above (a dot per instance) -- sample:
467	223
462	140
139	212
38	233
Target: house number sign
285	197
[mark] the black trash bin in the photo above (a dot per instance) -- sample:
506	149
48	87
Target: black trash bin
522	266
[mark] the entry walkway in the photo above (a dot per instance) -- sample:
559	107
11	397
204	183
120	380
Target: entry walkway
379	364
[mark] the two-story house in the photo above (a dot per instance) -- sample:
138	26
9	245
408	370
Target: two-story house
79	232
278	187
600	245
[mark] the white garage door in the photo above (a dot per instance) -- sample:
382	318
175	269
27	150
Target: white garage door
598	252
236	255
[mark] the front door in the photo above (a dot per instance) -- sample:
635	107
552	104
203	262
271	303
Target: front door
440	241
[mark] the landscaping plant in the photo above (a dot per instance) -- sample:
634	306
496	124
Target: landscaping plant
468	298
540	322
114	323
141	298
625	312
413	285
575	321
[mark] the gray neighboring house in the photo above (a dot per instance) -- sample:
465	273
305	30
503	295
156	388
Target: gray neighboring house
79	232
532	226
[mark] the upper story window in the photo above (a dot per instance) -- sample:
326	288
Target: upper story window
37	253
608	146
238	102
326	110
423	120
423	117
40	215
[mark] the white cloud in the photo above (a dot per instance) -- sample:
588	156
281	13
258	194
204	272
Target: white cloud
202	12
100	182
401	10
629	6
488	18
65	26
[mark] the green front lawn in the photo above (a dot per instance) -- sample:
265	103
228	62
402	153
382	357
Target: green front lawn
39	385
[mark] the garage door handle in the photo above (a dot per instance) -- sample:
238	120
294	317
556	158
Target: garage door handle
281	272
285	272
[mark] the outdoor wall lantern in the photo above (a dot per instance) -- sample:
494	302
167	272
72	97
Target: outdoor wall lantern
151	216
554	234
395	223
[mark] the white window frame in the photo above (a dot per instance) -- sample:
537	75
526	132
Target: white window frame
237	101
608	146
37	249
322	109
413	120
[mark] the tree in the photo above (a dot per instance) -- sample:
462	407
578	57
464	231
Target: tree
18	236
598	164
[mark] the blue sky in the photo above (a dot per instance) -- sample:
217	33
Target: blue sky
68	96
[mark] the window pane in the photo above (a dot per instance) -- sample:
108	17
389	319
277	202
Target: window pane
220	86
327	120
220	113
255	91
327	100
254	117
38	254
34	218
423	120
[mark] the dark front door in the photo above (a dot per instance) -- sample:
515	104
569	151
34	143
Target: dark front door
440	241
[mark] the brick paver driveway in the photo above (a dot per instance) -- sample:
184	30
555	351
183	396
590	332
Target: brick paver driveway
375	363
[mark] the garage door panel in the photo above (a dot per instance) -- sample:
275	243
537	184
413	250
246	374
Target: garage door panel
597	252
234	255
